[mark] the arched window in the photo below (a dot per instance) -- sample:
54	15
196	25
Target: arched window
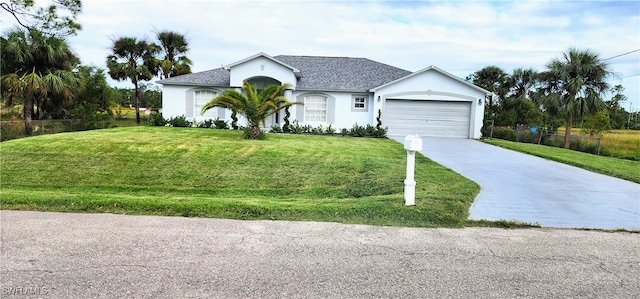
201	97
315	108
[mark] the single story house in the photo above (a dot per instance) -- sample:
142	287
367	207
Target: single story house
340	91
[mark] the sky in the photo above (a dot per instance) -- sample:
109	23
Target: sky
460	37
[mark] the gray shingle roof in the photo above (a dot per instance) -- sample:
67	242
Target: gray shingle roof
317	73
215	77
341	73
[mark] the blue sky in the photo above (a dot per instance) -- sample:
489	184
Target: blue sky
457	36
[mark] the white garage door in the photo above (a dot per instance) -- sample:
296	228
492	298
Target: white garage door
427	118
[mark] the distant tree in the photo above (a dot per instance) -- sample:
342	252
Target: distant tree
596	124
253	105
574	84
152	95
173	60
56	19
132	59
518	106
38	70
617	115
96	98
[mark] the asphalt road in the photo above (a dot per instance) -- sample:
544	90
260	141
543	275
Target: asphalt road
64	255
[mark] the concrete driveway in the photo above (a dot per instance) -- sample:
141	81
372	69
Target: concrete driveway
525	188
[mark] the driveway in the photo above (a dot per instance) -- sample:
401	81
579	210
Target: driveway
526	188
67	255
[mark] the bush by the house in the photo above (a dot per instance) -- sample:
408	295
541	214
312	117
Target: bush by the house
220	124
156	119
275	129
179	122
356	131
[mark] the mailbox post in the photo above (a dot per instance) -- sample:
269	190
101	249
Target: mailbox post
412	143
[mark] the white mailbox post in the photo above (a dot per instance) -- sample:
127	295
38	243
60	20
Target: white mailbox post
412	143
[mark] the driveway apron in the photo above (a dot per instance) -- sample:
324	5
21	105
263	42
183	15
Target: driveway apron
526	188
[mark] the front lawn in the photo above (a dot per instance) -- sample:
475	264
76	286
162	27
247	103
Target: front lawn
620	168
212	173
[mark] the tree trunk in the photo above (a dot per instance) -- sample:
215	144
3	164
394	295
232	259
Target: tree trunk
255	132
567	134
135	83
28	116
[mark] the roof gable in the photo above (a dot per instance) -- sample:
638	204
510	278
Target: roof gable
436	69
261	54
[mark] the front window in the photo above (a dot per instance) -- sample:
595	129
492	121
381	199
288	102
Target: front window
201	98
359	103
315	108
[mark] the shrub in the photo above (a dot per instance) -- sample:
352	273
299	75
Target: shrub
504	133
157	120
287	114
296	128
380	133
179	121
317	130
276	129
220	124
206	124
329	130
234	121
358	131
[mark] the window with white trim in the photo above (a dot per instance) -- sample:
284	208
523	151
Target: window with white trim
315	108
360	103
202	97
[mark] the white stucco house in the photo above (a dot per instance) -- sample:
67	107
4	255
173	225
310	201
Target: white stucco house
340	91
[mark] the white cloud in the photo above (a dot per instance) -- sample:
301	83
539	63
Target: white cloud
458	36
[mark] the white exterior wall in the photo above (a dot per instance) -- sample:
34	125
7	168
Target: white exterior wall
435	86
173	100
261	67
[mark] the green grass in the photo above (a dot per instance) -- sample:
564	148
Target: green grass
620	168
211	173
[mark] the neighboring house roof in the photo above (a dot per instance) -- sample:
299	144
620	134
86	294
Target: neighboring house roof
315	73
439	70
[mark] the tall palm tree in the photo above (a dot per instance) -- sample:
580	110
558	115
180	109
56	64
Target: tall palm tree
574	85
133	60
494	79
253	105
37	67
173	48
522	82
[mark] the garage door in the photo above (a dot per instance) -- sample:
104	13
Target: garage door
427	118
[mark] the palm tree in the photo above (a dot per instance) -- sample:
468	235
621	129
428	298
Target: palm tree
173	47
522	82
253	105
37	68
574	84
133	60
493	79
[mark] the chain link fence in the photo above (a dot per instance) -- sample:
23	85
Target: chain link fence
532	134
